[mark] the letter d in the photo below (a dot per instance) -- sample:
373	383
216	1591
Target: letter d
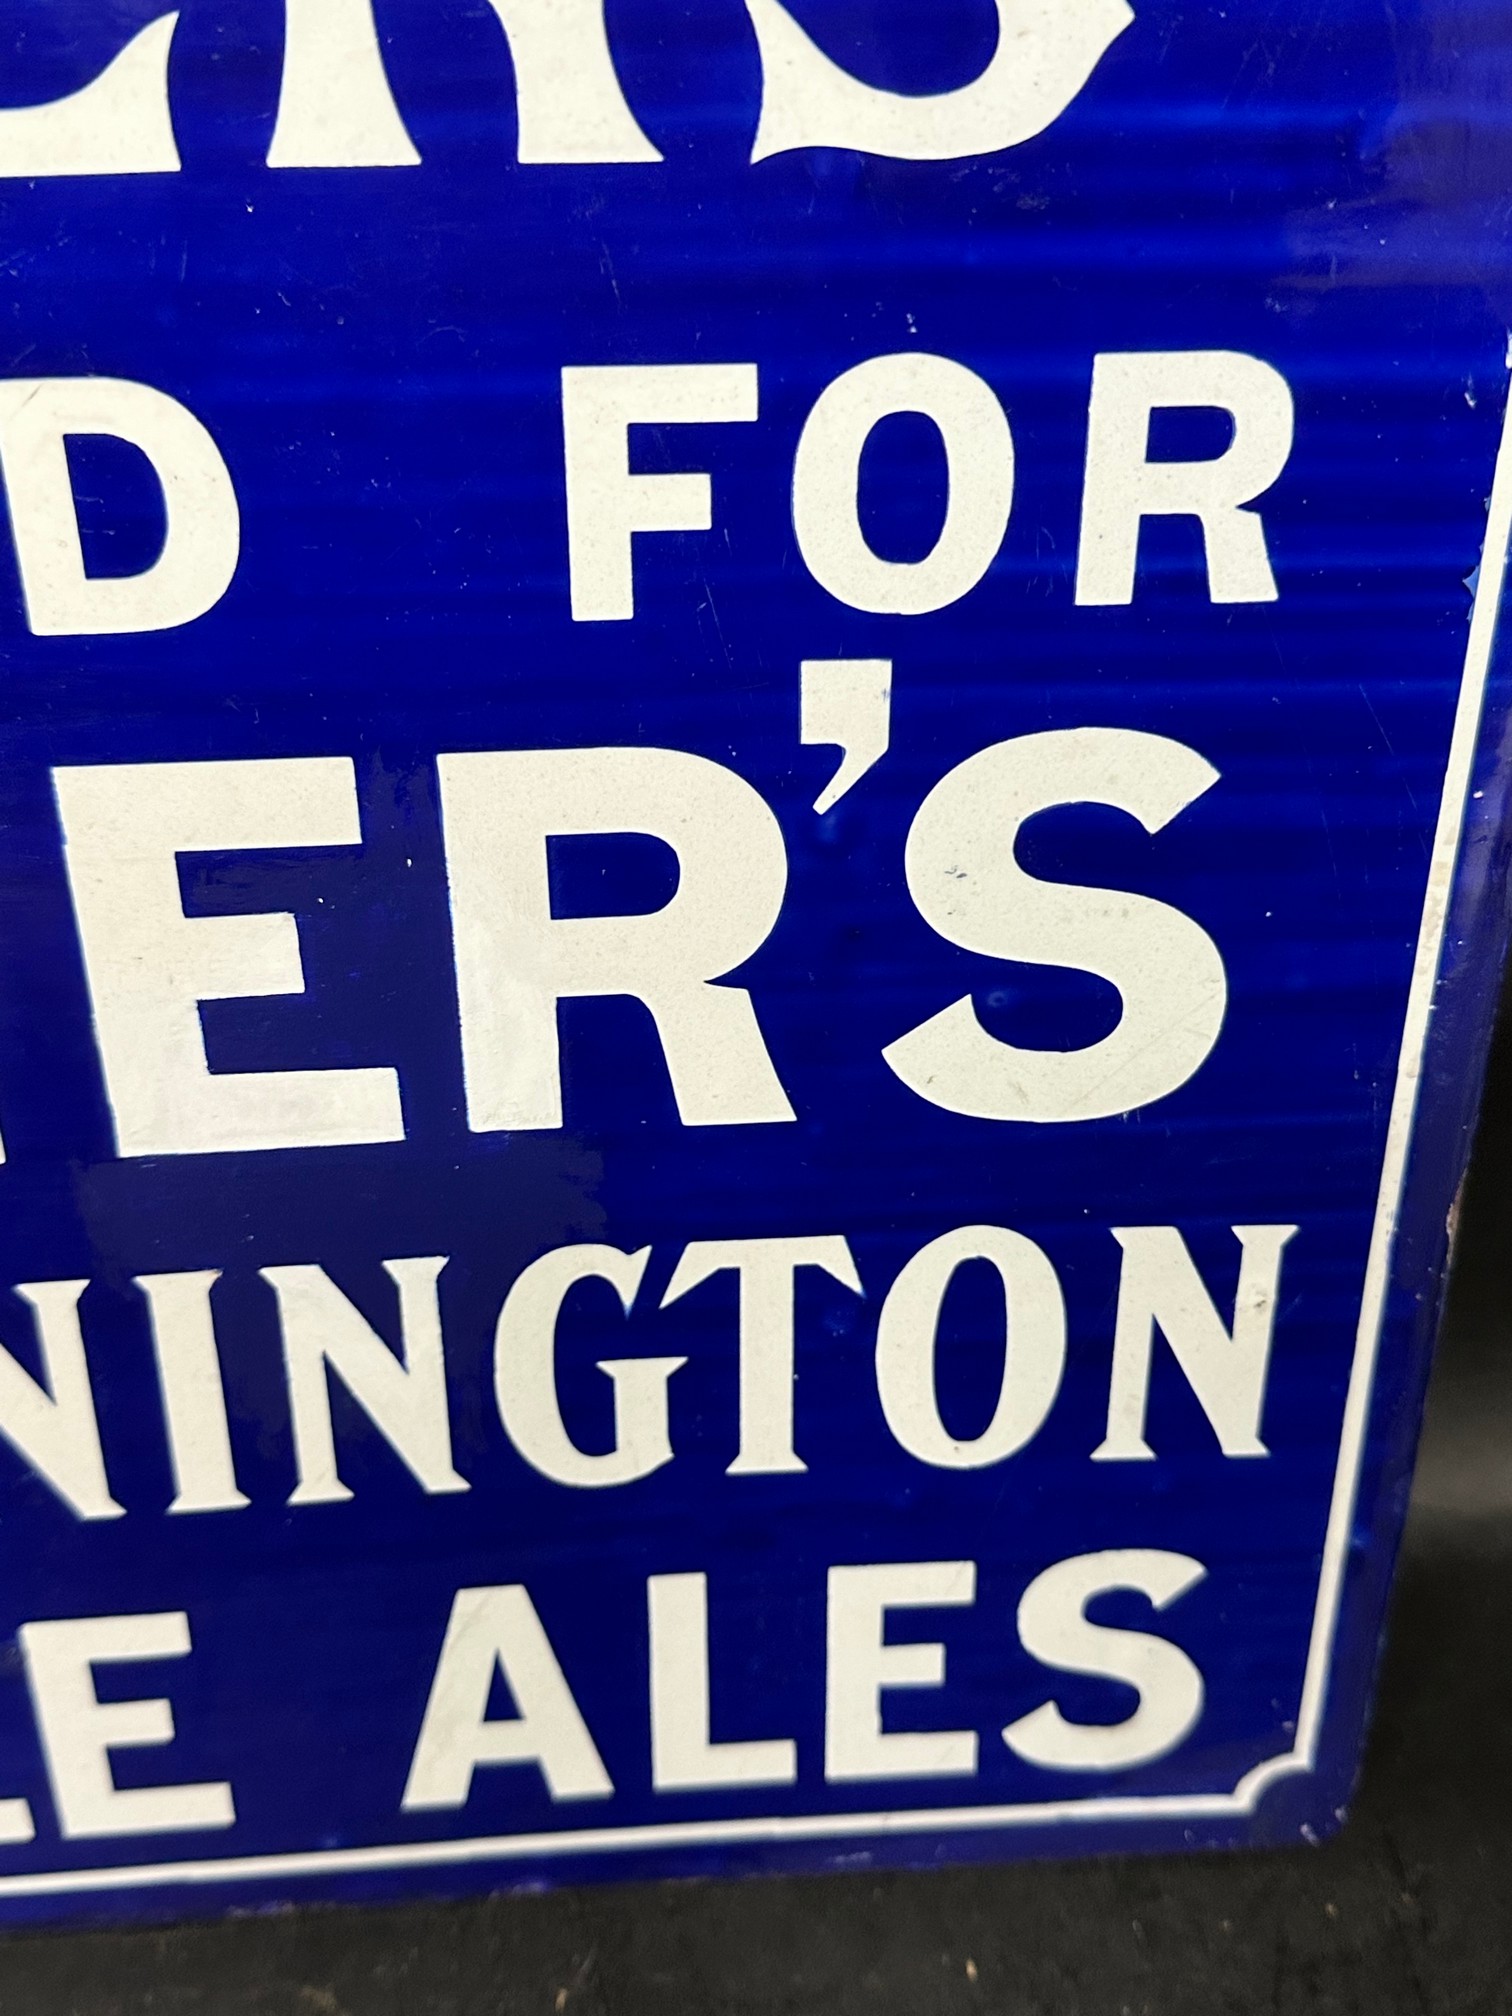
203	539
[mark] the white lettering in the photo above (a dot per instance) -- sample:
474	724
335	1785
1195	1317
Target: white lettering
335	108
966	880
767	1268
118	124
682	1756
203	540
827	479
1225	1367
55	1429
79	1731
1046	50
1034	1347
525	1373
1054	1628
846	703
405	1400
606	504
515	960
1123	487
861	1664
567	95
489	1631
194	1398
150	966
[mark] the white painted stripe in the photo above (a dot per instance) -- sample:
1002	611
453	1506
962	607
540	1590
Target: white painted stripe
608	1840
1453	803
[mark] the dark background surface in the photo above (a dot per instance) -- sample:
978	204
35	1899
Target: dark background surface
1409	1910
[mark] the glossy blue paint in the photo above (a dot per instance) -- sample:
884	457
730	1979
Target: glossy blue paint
377	353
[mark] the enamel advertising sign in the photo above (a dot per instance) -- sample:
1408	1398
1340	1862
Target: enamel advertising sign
751	889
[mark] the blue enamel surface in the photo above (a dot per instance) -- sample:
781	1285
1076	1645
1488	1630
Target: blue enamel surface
377	353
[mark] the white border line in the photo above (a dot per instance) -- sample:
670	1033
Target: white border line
1485	611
